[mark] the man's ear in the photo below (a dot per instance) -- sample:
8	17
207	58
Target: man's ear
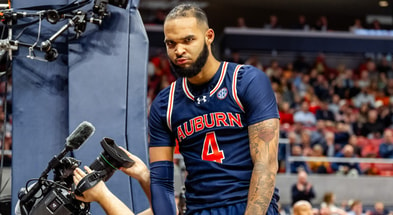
209	36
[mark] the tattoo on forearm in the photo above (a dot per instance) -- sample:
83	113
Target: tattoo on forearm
263	147
262	193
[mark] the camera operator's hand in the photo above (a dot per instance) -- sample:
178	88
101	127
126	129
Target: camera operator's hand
92	194
139	171
102	195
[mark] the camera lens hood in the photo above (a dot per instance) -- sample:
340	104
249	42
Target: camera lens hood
118	158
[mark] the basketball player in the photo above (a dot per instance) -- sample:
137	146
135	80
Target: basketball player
224	117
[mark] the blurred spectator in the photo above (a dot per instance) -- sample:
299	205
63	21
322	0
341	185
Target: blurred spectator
339	89
364	97
356	208
162	76
363	113
329	202
305	138
302	208
334	105
348	78
287	73
379	209
354	141
345	112
371	67
301	23
319	167
304	116
376	25
235	57
321	87
331	146
357	25
342	133
302	189
381	83
324	114
317	135
346	168
385	113
8	147
296	166
322	67
273	23
373	128
302	84
289	94
386	147
286	114
354	90
273	69
254	61
321	24
300	64
388	90
346	86
241	22
364	79
384	66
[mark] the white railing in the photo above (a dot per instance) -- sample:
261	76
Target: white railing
7	152
340	160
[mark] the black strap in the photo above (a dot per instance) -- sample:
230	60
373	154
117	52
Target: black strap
87	182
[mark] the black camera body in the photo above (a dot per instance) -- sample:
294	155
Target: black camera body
56	197
59	201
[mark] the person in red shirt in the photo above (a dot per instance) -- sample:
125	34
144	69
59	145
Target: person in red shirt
286	113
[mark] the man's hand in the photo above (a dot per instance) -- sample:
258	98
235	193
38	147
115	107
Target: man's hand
138	171
92	194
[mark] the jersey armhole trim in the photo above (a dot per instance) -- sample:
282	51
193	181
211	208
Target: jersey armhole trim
170	105
234	89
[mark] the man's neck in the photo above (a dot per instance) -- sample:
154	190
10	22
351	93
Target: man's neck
207	73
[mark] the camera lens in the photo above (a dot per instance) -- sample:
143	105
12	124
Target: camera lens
110	159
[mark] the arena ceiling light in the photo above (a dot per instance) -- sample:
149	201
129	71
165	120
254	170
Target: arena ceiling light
383	3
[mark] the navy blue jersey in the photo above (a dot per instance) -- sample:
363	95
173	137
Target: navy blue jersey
210	124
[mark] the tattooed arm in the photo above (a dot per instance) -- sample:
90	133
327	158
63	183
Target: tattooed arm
263	148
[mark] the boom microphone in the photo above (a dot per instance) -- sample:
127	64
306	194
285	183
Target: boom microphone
79	135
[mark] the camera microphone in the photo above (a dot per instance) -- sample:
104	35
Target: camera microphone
73	141
79	135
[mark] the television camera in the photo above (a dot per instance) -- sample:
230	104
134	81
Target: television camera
57	196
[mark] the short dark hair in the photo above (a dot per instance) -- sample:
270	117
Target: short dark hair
188	10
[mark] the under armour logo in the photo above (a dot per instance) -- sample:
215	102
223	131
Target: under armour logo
202	99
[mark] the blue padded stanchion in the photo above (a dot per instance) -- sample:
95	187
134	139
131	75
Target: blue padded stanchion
40	104
104	76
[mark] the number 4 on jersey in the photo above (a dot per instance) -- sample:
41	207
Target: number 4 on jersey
211	151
